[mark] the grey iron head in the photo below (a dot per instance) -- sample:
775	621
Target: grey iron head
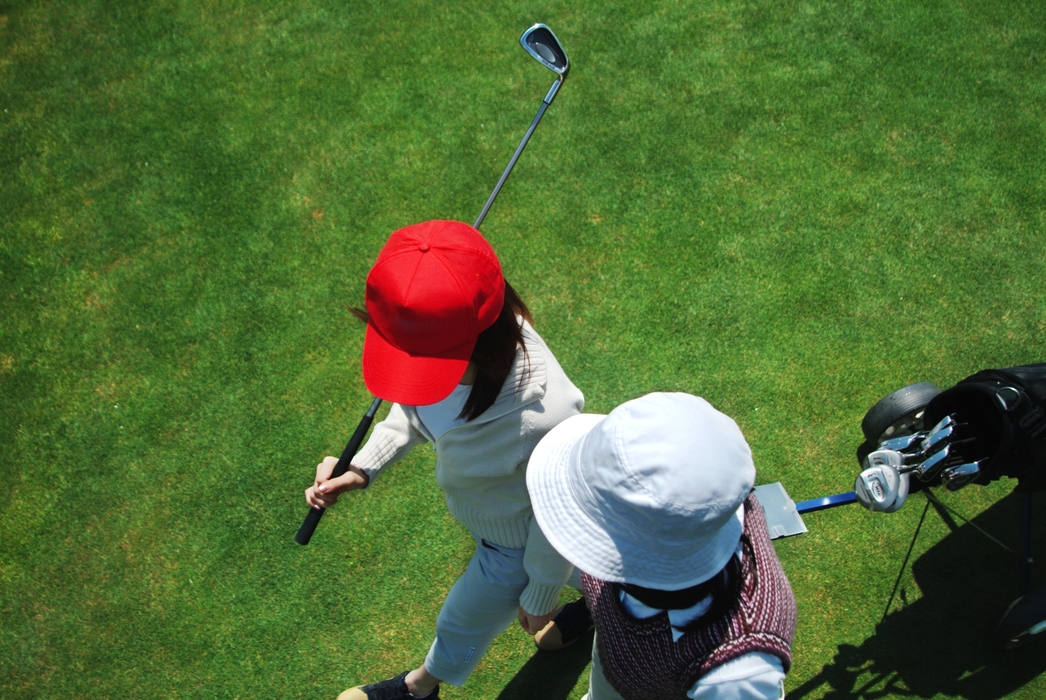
542	44
956	477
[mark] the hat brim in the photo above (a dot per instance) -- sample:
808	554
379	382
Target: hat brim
596	542
394	375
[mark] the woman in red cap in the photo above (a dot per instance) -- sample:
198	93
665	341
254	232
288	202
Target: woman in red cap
450	344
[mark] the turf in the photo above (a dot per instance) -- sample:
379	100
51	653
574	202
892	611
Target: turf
790	208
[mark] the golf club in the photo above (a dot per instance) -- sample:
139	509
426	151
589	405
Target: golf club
941	432
542	44
956	477
903	443
308	526
933	464
881	486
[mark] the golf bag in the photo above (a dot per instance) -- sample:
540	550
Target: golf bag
1003	413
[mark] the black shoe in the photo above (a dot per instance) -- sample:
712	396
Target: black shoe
390	689
570	624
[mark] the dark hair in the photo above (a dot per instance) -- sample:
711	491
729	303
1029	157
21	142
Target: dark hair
721	587
493	355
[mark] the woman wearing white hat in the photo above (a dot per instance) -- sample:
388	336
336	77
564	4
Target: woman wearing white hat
653	503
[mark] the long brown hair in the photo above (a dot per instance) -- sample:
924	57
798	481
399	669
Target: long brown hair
493	355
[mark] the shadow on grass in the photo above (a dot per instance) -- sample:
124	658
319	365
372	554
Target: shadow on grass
941	644
551	675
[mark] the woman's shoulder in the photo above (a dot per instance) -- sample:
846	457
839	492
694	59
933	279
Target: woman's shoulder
531	338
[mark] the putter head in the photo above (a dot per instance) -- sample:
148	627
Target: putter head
542	44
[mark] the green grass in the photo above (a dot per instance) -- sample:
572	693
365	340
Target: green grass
790	208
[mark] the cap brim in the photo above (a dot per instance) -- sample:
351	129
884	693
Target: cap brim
413	380
601	546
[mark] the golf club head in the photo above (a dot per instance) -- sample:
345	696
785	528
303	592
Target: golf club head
881	487
542	44
904	442
930	468
937	439
946	422
956	477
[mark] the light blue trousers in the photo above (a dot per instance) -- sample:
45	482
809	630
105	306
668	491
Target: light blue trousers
480	606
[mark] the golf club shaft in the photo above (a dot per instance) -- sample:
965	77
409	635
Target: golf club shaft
313	518
519	150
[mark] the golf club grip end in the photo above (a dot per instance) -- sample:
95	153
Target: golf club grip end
313	518
308	526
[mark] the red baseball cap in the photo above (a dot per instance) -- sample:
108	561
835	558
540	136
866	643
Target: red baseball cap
434	288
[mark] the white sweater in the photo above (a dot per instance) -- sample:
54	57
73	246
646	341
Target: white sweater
482	465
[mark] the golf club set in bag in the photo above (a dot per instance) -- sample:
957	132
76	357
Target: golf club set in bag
990	425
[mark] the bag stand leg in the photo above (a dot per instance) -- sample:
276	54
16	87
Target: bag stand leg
1024	568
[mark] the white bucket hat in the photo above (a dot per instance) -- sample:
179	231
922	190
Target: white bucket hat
651	494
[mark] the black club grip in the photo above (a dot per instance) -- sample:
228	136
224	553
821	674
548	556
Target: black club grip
308	526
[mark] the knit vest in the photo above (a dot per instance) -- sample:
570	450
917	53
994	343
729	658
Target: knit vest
639	657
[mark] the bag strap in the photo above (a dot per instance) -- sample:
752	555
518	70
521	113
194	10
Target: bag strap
1034	420
1028	411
